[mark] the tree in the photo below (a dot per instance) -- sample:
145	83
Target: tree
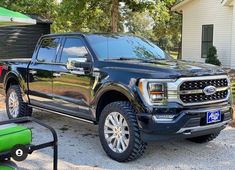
133	5
115	15
212	57
83	16
167	25
158	23
139	23
106	15
149	18
44	8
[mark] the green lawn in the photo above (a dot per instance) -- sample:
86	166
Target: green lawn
174	54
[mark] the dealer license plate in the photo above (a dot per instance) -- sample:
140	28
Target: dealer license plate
213	116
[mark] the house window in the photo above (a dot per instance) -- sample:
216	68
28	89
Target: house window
207	39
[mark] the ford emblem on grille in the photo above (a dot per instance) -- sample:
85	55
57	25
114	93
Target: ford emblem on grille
209	90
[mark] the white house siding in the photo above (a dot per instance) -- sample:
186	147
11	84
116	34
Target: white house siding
233	41
205	12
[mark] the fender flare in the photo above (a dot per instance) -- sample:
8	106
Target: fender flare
128	92
18	78
116	87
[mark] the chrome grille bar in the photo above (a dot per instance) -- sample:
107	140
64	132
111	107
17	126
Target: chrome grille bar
174	92
201	90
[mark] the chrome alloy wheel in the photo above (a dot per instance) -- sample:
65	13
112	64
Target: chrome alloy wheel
116	132
13	103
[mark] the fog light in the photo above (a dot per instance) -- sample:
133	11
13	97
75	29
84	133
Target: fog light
163	117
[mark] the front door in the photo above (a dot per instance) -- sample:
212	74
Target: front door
72	83
40	73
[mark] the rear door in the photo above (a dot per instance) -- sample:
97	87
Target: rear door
71	83
40	72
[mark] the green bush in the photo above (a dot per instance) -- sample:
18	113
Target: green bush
212	57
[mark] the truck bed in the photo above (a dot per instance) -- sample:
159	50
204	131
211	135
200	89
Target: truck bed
15	60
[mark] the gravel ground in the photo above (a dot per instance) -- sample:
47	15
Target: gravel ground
79	148
2	103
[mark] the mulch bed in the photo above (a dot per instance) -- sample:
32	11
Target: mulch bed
232	124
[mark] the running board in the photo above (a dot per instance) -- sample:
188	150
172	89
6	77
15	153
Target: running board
62	114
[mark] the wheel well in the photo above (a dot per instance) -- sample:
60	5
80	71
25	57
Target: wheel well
11	81
107	98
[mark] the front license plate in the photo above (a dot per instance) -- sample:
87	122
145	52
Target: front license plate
213	116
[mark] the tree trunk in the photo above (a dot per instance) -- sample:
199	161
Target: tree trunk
180	52
179	57
115	15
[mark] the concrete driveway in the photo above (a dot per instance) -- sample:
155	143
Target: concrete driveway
79	148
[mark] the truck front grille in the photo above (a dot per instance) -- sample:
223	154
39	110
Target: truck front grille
201	84
192	92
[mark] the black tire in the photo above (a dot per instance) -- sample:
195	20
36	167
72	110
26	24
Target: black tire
136	146
24	109
205	138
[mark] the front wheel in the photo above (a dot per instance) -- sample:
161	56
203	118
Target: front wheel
119	132
15	105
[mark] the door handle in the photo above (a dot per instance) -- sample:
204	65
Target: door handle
56	74
32	72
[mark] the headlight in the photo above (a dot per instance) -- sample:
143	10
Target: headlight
154	91
157	92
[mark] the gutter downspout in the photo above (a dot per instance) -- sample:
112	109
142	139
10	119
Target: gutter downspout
232	60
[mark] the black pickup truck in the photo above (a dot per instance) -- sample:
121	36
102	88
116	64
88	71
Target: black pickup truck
127	85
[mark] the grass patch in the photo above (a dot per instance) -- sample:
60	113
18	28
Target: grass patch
233	90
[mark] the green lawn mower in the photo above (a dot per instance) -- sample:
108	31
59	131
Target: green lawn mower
16	141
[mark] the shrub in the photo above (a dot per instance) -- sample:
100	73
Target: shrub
212	57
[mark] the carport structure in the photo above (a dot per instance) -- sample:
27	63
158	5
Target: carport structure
8	17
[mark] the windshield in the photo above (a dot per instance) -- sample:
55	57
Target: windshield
116	47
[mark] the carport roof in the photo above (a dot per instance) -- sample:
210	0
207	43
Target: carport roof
179	4
8	17
227	2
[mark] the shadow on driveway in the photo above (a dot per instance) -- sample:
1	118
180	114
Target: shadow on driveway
79	147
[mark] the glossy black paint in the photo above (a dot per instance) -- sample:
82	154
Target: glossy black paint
54	87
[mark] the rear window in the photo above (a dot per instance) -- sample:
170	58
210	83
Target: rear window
47	50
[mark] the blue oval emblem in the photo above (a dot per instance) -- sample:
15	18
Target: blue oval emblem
209	90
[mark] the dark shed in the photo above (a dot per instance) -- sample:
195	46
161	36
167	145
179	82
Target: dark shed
20	41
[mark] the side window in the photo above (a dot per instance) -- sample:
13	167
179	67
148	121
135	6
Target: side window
207	39
47	50
74	49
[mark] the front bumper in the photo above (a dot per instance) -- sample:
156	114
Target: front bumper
187	123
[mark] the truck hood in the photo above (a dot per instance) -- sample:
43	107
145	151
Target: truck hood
165	68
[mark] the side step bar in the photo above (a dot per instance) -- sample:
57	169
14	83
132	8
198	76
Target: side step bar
62	114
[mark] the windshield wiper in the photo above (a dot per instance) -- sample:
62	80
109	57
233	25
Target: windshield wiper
125	58
137	59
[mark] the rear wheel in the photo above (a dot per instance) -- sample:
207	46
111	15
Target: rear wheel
205	138
15	105
119	132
